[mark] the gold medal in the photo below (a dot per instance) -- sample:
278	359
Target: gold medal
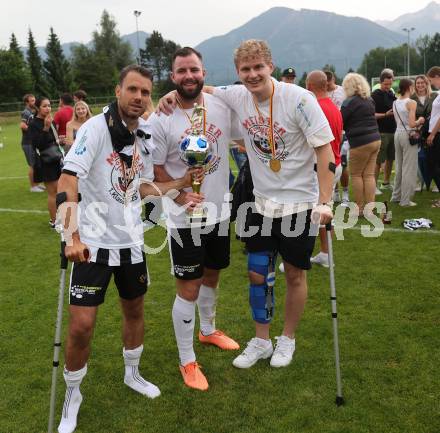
275	165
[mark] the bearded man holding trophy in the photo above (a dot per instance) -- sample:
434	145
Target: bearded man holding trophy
196	134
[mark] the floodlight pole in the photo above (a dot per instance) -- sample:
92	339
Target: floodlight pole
137	14
408	31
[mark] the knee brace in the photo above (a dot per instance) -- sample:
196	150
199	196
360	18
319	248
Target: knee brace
261	296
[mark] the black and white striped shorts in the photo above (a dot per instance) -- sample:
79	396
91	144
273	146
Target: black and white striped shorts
89	280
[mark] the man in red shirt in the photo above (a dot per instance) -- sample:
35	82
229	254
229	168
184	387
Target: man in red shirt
316	83
63	115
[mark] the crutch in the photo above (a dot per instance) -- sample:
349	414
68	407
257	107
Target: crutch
57	341
339	397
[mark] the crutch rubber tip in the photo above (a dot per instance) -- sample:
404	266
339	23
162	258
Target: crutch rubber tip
340	400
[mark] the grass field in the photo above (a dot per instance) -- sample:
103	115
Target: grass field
389	316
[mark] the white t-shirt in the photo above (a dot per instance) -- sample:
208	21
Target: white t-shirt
435	113
104	220
299	127
169	131
337	96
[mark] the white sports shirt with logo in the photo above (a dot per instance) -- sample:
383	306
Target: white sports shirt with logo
299	127
169	131
105	221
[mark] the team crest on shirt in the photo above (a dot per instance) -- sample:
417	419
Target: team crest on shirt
119	189
213	133
258	132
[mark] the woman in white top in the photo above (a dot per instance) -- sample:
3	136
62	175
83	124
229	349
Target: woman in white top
406	154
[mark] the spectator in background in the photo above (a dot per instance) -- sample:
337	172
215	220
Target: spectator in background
81	113
288	76
404	110
337	95
26	144
43	136
334	91
63	115
424	97
316	83
358	113
79	95
433	140
383	99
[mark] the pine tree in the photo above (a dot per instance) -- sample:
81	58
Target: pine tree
38	84
14	47
15	80
96	69
107	42
56	67
158	54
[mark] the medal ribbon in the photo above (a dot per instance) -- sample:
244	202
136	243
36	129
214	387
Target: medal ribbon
129	175
189	118
270	135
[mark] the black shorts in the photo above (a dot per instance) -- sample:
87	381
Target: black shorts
190	257
295	248
89	282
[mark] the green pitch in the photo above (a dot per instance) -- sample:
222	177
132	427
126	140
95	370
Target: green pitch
388	302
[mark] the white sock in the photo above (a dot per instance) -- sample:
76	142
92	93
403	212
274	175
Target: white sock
132	377
345	193
206	304
264	343
72	399
184	316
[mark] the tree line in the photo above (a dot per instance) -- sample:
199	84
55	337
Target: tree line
93	67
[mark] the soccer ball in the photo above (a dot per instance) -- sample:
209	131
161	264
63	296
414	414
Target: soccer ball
195	150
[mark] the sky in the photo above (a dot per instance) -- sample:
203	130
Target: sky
187	22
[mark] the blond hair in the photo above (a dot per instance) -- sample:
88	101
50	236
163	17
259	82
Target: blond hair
424	78
251	49
356	84
83	103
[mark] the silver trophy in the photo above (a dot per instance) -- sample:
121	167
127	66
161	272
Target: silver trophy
196	153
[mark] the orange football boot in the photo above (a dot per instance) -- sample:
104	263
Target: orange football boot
193	376
219	339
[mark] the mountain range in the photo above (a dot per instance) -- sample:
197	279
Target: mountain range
304	39
425	21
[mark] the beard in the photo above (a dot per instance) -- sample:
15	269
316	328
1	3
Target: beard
125	113
185	94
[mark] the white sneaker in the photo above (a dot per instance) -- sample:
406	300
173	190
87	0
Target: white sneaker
283	353
320	259
410	204
378	191
281	267
254	351
37	189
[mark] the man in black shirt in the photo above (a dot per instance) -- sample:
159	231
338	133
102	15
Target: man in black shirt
383	99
